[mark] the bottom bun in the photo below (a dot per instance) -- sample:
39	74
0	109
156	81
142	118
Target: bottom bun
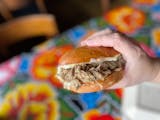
99	84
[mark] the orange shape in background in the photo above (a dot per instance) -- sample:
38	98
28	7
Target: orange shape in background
125	19
94	114
156	36
30	100
91	115
45	64
147	2
119	92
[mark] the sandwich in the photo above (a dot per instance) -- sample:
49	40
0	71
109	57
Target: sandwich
90	69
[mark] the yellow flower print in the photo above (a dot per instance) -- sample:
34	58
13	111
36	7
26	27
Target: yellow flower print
30	101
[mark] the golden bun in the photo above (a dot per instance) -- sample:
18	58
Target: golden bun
84	54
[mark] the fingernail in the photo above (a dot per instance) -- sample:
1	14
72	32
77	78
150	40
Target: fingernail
108	30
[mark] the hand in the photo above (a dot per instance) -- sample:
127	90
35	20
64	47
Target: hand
139	66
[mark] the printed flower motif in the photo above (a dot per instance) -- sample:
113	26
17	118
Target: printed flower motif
44	64
96	115
8	69
126	19
156	36
119	92
145	2
30	101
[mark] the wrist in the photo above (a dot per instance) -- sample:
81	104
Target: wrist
156	70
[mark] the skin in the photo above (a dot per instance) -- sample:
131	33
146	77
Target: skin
139	66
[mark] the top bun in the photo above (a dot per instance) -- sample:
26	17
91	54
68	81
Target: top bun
84	54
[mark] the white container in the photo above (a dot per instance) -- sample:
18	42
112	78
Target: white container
141	102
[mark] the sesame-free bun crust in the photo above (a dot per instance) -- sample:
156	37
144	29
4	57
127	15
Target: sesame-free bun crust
84	54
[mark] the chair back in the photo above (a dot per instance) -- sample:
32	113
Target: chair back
27	27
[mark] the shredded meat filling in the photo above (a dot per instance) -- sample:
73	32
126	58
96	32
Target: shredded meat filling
89	72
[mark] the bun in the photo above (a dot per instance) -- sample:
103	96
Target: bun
84	54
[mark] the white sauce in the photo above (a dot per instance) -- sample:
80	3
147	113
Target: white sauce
91	60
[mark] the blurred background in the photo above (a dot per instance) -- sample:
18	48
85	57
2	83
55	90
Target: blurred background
66	15
34	34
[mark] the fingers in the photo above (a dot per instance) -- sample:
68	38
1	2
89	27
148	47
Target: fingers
103	40
107	40
118	41
103	32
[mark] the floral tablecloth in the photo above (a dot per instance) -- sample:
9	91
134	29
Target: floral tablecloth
30	91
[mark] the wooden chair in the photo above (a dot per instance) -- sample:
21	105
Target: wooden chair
7	6
4	11
26	27
105	5
41	6
15	4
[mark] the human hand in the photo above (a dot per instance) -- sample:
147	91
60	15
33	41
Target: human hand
139	66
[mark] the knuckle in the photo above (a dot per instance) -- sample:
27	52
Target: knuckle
108	30
140	53
117	36
117	39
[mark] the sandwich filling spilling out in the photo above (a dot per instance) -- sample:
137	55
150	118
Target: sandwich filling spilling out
75	75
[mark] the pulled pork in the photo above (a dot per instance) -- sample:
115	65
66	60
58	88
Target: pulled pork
89	72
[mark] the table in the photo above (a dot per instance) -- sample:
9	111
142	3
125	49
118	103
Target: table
29	89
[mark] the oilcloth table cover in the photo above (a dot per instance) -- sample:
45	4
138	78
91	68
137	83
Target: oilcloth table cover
29	89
